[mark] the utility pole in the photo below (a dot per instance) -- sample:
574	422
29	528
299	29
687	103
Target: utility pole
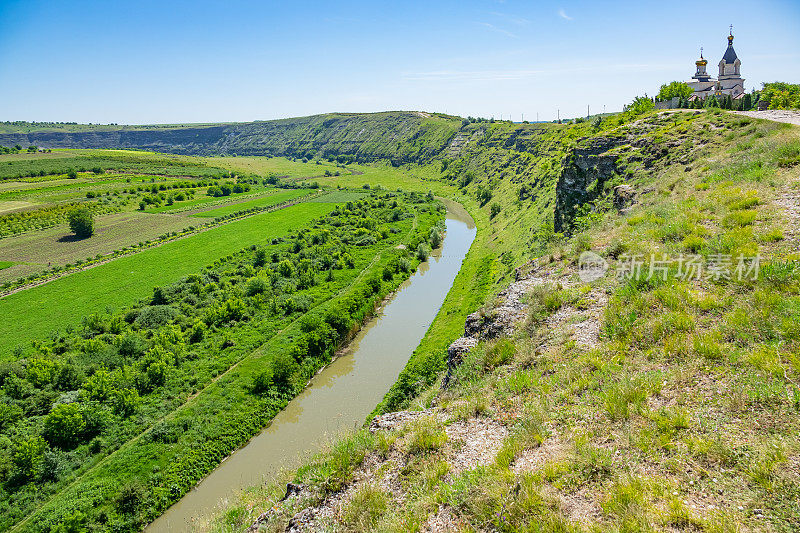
559	115
587	110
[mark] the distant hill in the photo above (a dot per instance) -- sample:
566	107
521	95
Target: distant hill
397	136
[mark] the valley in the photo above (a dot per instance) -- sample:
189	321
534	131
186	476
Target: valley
174	350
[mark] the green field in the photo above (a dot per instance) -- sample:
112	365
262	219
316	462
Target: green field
34	313
282	305
5	264
36	251
273	199
339	196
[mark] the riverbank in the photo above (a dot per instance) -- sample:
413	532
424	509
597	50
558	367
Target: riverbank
339	397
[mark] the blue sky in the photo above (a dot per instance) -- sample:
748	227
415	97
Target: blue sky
207	61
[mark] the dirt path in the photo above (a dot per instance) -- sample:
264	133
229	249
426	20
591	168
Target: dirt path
788	116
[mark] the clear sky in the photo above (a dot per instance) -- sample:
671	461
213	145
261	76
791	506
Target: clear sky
207	61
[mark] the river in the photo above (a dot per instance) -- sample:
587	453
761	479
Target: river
340	397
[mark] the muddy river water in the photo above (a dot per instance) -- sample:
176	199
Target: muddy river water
340	397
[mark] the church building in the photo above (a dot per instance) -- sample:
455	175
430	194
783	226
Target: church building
729	82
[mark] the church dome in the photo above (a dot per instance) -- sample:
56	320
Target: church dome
730	54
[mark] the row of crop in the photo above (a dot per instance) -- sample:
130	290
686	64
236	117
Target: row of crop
26	168
62	270
47	217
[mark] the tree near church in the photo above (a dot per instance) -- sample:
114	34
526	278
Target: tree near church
673	89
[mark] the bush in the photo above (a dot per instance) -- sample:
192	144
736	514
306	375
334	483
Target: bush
28	458
81	222
129	498
495	210
423	251
435	238
154	316
283	368
125	402
64	426
640	105
197	332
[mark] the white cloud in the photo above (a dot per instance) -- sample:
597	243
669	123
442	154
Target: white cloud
513	19
563	14
494	28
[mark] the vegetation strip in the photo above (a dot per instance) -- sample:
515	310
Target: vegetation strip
250	393
188	232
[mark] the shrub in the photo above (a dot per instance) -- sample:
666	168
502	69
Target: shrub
198	331
423	251
129	498
256	285
81	222
64	426
495	210
154	316
262	381
28	458
283	368
125	402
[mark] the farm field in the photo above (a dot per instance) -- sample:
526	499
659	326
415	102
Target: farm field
214	356
272	199
10	206
36	312
195	205
35	251
20	166
279	166
339	196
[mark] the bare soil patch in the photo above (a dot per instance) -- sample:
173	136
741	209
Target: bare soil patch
788	116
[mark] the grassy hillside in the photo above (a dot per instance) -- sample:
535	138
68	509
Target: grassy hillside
395	136
660	402
614	405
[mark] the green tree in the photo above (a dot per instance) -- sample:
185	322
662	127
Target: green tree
484	195
286	268
435	237
283	367
41	372
81	222
28	458
64	425
640	105
100	386
673	89
125	402
781	95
